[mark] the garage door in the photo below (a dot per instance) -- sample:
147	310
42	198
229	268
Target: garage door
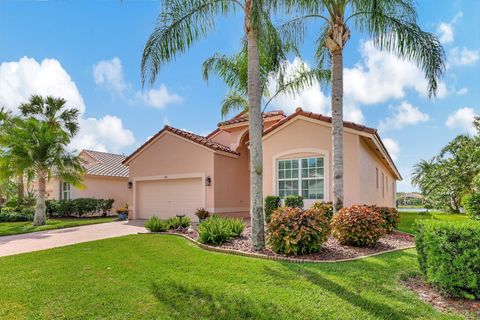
166	198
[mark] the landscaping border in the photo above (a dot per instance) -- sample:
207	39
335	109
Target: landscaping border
267	257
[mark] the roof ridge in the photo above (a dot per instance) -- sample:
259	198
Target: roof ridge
104	152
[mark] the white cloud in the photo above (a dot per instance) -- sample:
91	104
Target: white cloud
157	98
105	134
380	76
462	91
445	30
312	99
403	115
462	119
463	56
109	74
20	79
392	147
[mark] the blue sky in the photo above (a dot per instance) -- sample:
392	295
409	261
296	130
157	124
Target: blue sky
90	51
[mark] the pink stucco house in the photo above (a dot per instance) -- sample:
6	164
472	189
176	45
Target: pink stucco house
106	177
177	171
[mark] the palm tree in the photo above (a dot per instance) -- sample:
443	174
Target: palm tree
53	111
180	24
274	77
392	24
40	146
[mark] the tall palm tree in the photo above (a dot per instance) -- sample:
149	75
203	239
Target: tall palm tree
183	22
392	24
38	145
274	78
53	111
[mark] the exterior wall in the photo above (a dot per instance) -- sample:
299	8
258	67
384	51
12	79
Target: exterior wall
232	184
171	156
95	187
305	137
370	193
104	188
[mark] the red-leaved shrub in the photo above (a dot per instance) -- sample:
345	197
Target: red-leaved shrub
390	216
296	231
358	226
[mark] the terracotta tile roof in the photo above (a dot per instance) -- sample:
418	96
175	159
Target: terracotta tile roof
243	117
317	116
204	141
105	164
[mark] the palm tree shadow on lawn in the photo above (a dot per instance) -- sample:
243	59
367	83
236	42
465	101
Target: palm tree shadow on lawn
351	295
193	302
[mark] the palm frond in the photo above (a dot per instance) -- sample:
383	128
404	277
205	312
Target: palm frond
234	101
180	24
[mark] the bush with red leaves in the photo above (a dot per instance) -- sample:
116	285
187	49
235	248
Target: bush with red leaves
358	226
296	231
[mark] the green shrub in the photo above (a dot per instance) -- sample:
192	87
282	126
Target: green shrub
296	231
12	215
214	230
271	204
236	226
217	230
177	222
202	214
471	204
326	207
390	216
358	226
449	256
294	201
105	206
155	224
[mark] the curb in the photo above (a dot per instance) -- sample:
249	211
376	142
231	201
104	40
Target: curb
267	257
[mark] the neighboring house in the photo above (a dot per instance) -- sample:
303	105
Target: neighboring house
105	178
176	172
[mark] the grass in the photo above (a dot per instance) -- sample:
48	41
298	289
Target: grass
407	219
167	277
11	228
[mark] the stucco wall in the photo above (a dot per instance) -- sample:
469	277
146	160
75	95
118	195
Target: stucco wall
232	184
95	187
172	155
304	137
370	193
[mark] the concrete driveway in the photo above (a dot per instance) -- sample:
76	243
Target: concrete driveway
42	240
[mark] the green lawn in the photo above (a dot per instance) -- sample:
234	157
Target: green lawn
167	277
10	228
407	219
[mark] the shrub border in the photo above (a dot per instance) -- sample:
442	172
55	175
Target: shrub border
267	257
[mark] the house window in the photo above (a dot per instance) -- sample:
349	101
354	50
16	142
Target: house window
66	191
376	176
303	177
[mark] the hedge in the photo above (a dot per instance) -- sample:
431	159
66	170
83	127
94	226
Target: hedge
294	201
449	256
471	204
272	203
8	214
78	207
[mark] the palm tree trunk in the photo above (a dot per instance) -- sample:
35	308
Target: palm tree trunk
20	188
337	128
255	133
40	217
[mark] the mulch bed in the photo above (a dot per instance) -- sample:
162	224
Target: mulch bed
468	308
331	251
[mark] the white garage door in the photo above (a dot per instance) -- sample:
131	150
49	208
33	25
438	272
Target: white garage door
166	198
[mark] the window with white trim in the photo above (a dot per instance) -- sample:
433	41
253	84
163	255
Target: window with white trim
66	194
303	177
